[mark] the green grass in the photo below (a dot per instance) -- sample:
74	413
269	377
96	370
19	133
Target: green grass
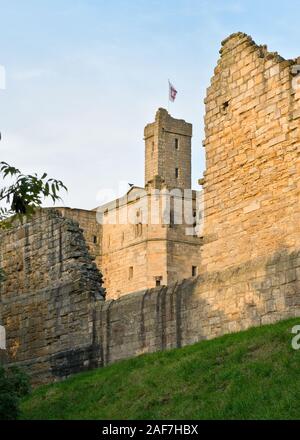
248	375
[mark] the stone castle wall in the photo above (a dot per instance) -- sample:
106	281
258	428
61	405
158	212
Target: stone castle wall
47	300
252	178
255	293
62	326
250	259
92	230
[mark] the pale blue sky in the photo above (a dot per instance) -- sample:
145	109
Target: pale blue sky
85	76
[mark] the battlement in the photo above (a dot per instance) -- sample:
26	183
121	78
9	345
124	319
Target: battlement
166	122
168	151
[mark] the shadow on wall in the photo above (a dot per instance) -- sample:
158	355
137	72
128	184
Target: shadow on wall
57	326
256	293
47	301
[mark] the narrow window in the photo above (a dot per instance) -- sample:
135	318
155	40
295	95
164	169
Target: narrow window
195	219
224	107
194	271
138	229
130	274
176	173
171	218
94	239
158	281
176	144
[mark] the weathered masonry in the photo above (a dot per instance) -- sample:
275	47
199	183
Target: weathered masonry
252	145
248	259
46	302
132	249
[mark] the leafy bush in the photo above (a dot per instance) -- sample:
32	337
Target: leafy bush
14	384
26	193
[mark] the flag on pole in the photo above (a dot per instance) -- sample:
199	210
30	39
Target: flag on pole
172	92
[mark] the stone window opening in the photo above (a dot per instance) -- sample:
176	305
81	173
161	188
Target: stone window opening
194	271
176	144
95	239
195	218
172	218
176	173
138	223
130	273
224	107
138	229
158	281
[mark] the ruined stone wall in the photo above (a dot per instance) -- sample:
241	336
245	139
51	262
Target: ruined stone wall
47	300
250	260
64	330
252	143
255	293
61	328
92	230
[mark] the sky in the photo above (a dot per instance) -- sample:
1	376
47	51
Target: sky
83	78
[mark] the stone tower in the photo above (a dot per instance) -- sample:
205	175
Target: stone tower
168	151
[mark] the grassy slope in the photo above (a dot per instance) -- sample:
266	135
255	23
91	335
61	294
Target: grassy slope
249	375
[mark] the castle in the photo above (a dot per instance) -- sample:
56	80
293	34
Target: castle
146	238
165	287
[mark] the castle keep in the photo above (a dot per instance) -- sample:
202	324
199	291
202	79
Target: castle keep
143	239
170	284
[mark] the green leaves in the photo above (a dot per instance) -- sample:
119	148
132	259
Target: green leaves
14	384
27	192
